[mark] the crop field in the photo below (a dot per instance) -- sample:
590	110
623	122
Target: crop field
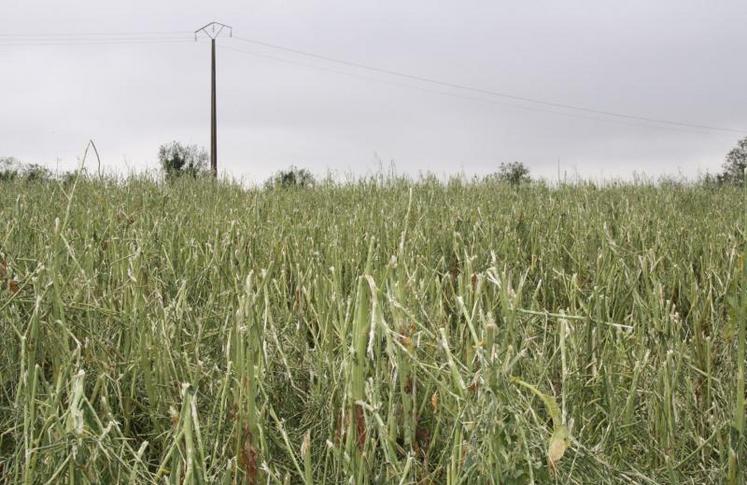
381	331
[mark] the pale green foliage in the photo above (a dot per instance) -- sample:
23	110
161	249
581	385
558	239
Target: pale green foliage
735	164
370	333
11	169
177	159
513	173
293	177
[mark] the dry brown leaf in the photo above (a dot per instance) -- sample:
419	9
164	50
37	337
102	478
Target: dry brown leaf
406	341
13	287
248	457
360	426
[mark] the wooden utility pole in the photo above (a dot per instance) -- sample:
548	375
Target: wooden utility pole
213	30
213	117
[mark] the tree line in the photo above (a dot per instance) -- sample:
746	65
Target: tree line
178	160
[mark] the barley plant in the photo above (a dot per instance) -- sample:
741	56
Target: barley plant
382	331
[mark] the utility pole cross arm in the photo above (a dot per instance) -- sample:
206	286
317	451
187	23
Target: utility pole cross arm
213	30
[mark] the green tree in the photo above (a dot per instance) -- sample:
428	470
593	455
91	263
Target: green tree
9	168
177	159
513	173
735	163
36	173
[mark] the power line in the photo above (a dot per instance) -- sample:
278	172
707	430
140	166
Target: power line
462	96
490	92
115	38
83	42
91	38
87	34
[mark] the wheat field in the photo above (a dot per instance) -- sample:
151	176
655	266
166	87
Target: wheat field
380	331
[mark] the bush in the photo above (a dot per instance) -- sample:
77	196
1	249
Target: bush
513	173
293	177
735	163
177	159
36	173
11	169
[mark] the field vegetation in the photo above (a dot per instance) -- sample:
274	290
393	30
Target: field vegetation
384	331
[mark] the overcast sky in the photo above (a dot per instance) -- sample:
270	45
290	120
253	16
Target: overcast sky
679	60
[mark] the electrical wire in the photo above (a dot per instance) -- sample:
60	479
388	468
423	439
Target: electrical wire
97	42
165	37
490	92
535	109
93	34
92	38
